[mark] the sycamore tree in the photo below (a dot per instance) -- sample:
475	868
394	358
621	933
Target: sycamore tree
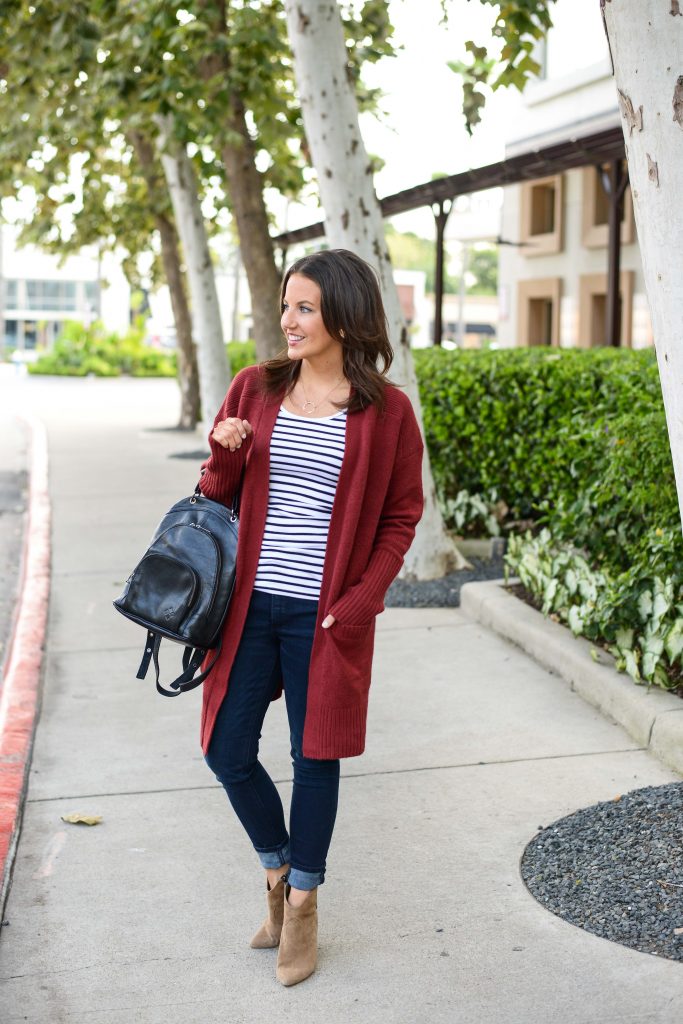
353	218
210	85
60	144
117	205
646	47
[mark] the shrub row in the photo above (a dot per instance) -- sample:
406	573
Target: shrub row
81	350
567	452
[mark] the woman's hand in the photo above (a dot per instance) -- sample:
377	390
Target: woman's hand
231	432
329	621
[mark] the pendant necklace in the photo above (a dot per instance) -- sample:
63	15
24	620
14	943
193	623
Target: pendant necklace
308	407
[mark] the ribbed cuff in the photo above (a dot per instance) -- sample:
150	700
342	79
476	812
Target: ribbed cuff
366	599
339	732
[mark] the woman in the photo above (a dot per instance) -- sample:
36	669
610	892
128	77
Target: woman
331	495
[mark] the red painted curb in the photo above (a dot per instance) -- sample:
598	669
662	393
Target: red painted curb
20	693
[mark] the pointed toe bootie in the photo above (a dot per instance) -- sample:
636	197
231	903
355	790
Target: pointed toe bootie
268	935
298	953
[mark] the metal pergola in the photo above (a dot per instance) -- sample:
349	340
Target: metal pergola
603	149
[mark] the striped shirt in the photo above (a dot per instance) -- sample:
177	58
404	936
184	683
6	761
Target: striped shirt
305	461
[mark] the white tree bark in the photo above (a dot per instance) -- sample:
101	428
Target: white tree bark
212	360
646	43
353	220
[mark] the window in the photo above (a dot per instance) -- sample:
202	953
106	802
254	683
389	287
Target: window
595	212
91	293
54	295
541	210
542	218
538	314
11	333
593	309
30	334
10	293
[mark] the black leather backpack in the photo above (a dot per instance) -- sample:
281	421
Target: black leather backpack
181	587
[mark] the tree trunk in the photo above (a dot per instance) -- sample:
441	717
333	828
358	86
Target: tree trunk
245	186
186	353
214	372
646	44
353	220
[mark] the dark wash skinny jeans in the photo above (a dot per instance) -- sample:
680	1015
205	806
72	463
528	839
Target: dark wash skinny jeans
277	641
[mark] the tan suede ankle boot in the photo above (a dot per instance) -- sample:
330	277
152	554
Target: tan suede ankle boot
268	935
298	953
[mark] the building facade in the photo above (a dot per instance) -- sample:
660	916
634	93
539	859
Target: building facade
38	293
554	234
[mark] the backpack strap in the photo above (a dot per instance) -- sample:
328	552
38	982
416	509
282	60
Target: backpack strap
151	648
192	660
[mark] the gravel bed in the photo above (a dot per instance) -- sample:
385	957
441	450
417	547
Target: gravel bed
615	869
444	592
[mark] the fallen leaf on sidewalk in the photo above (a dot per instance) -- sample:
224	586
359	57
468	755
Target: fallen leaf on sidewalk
678	931
82	819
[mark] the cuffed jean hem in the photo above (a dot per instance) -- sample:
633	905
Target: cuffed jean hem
274	858
305	879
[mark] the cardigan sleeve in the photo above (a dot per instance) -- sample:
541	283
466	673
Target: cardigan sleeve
221	472
400	515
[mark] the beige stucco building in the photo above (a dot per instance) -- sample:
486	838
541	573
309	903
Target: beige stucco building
553	260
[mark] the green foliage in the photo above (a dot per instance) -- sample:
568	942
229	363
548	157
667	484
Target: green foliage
80	351
525	418
410	252
637	614
241	354
516	30
482	263
567	453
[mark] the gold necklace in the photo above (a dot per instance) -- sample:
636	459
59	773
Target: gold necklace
308	408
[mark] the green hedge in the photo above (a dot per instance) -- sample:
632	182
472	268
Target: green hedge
80	351
517	419
567	453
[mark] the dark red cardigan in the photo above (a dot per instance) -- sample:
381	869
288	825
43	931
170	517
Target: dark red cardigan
377	506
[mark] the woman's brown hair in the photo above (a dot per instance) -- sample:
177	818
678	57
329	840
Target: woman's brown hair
353	314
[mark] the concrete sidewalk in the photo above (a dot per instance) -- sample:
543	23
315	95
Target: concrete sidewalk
424	917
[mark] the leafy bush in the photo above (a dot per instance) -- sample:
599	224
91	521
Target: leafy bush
81	350
241	354
569	452
515	420
637	614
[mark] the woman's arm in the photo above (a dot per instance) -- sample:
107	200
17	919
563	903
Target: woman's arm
229	440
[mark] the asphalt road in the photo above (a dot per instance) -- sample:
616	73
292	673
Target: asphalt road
13	499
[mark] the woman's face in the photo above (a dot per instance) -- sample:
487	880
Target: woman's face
302	323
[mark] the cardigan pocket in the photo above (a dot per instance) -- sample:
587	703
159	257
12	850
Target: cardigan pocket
347	661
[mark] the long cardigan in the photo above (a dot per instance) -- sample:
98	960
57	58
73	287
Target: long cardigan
377	506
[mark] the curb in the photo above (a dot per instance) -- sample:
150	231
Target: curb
20	693
653	718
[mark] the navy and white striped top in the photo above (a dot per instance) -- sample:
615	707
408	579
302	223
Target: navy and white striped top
305	461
